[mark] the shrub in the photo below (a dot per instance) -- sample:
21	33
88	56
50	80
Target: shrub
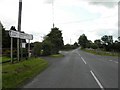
47	48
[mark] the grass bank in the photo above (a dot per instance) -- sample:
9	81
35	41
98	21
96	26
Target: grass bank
14	75
57	55
99	52
4	59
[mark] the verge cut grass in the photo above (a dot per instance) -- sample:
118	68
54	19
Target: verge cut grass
13	75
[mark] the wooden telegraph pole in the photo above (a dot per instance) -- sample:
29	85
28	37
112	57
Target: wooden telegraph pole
19	29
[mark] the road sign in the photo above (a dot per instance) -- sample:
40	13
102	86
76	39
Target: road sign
17	34
23	45
26	36
14	34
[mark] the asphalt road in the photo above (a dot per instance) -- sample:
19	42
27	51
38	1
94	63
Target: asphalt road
78	69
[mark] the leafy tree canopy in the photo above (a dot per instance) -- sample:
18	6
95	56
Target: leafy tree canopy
83	41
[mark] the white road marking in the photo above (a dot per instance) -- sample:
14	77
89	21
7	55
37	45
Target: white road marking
79	55
83	60
113	61
100	85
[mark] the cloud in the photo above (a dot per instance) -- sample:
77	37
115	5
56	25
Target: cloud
106	3
73	17
49	1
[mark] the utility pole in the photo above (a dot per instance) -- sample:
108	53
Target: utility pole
19	29
70	41
53	12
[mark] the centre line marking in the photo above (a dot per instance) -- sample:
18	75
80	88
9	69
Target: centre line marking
83	60
100	85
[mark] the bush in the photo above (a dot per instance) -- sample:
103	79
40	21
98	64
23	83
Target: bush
94	46
47	48
7	51
37	48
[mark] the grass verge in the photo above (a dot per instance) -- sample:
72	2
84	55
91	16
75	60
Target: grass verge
13	75
99	52
57	55
4	59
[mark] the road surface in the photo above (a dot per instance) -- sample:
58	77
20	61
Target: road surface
78	69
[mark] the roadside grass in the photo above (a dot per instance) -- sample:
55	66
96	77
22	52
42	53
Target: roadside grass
4	59
57	55
14	75
102	53
66	49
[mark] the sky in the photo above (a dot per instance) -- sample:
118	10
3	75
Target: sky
94	18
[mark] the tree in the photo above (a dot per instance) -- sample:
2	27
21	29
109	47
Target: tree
98	42
55	37
107	42
83	41
76	45
94	46
13	28
88	45
6	38
107	39
47	48
119	39
37	48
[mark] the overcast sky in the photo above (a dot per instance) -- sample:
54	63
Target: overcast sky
94	18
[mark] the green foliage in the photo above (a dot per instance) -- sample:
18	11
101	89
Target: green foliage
88	44
6	52
13	75
70	47
94	46
83	41
3	59
76	45
47	48
100	52
57	55
107	39
53	42
37	48
105	43
98	42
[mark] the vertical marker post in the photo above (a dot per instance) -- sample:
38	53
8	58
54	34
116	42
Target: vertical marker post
11	50
29	48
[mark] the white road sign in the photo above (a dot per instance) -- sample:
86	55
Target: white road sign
14	34
17	34
26	36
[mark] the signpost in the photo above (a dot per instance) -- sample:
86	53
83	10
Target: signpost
18	35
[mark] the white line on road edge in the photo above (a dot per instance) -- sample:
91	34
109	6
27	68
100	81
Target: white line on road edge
97	80
115	61
110	60
79	54
83	60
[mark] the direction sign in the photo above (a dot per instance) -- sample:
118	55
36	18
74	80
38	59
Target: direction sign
26	36
14	34
17	34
